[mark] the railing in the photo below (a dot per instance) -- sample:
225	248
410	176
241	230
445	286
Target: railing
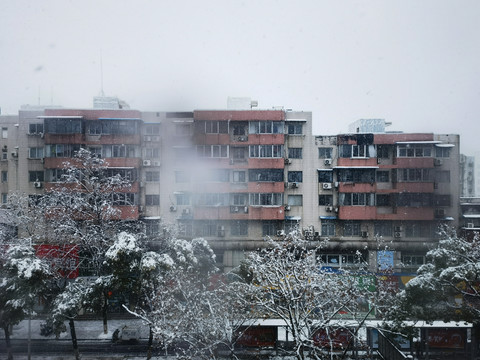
388	350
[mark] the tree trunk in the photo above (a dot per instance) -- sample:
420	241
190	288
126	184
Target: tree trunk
71	323
104	313
150	343
8	343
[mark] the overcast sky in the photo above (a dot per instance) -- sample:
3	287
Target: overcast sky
415	63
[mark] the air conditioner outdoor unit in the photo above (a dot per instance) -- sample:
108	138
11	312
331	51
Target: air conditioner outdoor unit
327	186
470	225
328	162
288	161
37	184
329	208
221	231
173	208
280	232
235	209
186	211
438	162
398	234
439	213
141	208
147	163
287	207
294	185
147	138
245	209
242	138
364	234
397	228
155	138
156	163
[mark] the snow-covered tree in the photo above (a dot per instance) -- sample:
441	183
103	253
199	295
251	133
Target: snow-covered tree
447	287
288	283
22	279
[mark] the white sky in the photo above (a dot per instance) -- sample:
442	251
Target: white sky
414	63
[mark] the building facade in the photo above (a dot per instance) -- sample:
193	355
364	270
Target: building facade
237	176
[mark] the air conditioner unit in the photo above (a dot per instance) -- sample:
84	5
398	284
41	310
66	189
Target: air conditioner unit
397	228
379	161
245	209
438	162
147	138
232	161
141	208
147	162
142	184
336	184
397	234
156	163
186	211
328	162
287	207
316	234
156	138
288	161
280	232
327	186
439	213
470	225
329	208
221	231
364	234
242	138
294	185
235	209
173	208
37	184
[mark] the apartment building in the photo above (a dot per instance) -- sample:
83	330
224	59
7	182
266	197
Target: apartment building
236	176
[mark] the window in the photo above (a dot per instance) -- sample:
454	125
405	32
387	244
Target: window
4	133
182	176
414	175
239	199
94	128
340	260
295	200
356	199
36	176
212	199
383	200
212	151
383	176
4	176
415	199
442	176
265	199
414	150
352	228
239	153
295	153
123	199
382	151
356	175
239	176
61	150
266	127
442	152
238	129
294	129
273	175
325	200
182	129
216	127
152	129
325	176
418	229
55	175
413	260
152	228
183	198
4	198
152	200
35	153
152	153
34	129
328	228
239	228
95	150
266	151
325	153
383	228
215	175
269	228
442	200
152	176
125	174
209	228
63	126
295	176
359	151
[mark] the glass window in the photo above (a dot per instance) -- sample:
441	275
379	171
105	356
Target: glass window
325	176
152	176
152	129
4	133
442	152
266	127
352	228
325	200
239	176
4	176
270	228
295	200
239	228
383	228
239	199
35	128
36	176
414	150
294	128
383	200
325	153
35	153
270	175
295	176
152	153
152	228
152	200
295	153
382	151
266	199
4	198
383	176
328	228
183	199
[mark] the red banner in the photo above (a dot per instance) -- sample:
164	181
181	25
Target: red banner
333	338
258	336
63	259
447	338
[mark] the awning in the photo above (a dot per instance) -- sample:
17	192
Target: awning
445	145
471	216
130	119
293	218
418	142
151	218
327	217
183	121
302	120
324	169
59	117
356	167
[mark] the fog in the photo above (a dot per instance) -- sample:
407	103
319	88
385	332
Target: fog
413	63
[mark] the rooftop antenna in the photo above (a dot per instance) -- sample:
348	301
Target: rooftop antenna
101	74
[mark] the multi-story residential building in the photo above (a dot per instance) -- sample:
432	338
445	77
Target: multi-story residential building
236	176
